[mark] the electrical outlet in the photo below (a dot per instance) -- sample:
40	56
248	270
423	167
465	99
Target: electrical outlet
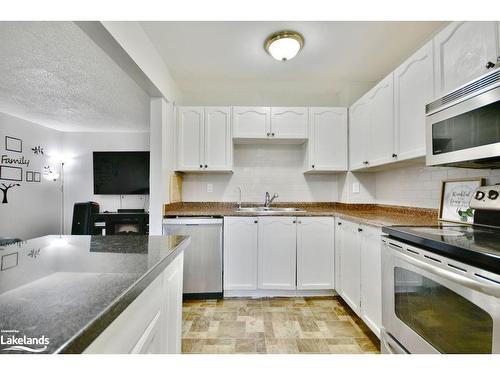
210	188
355	187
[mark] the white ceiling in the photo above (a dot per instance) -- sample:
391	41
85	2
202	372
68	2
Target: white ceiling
51	73
225	63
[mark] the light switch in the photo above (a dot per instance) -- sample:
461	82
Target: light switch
355	187
210	188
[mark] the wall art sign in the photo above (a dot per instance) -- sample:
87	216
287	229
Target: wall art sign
19	161
5	189
11	173
37	150
29	176
13	144
455	199
37	177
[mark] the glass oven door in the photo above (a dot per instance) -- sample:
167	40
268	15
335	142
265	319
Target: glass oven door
436	312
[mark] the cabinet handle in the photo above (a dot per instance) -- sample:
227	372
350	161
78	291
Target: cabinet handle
394	155
490	65
256	221
339	223
360	229
268	134
313	165
206	166
272	134
294	221
201	165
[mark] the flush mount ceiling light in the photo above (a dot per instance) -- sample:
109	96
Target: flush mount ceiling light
284	45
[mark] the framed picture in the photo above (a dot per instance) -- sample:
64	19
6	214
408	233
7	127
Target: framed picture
29	176
455	199
13	144
11	173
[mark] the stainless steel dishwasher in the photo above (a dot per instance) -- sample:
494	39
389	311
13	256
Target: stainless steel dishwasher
203	257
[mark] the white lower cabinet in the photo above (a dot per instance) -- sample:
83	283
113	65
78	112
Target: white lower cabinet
152	323
240	252
315	252
277	253
358	270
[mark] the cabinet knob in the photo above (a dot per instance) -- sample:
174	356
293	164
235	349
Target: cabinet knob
206	166
294	221
394	155
272	134
365	162
490	65
360	229
268	134
312	166
339	223
201	165
256	221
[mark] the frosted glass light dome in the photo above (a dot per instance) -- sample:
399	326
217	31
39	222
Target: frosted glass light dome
284	45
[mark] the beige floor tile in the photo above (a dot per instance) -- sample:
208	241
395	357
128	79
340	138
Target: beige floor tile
274	325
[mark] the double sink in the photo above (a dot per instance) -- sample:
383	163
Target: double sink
269	210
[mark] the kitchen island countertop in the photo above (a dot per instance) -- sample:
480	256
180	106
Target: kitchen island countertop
64	291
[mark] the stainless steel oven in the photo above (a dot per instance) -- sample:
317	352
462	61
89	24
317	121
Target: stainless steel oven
433	304
463	127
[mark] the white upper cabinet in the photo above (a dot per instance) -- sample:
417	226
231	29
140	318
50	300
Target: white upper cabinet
413	89
251	122
358	134
240	253
204	139
277	253
190	129
462	51
289	122
315	252
270	123
381	122
218	142
327	149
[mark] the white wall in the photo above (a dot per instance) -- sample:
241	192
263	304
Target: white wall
261	168
420	186
33	209
79	169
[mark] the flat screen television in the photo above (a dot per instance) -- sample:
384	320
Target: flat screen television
121	172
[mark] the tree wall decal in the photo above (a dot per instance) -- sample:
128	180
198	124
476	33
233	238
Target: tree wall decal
5	189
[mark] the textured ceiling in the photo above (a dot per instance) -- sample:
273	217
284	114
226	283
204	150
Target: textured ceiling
225	62
51	73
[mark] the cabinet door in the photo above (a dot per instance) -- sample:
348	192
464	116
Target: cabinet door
349	267
461	52
251	122
327	139
371	278
358	134
173	306
381	122
315	252
218	142
190	138
240	253
289	122
413	89
277	253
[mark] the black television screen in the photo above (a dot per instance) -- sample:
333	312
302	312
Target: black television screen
121	172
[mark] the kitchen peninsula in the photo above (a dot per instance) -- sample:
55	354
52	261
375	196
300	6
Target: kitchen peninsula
92	294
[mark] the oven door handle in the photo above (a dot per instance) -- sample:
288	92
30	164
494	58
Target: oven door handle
459	279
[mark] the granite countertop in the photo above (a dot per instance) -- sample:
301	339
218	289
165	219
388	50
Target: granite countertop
66	290
371	214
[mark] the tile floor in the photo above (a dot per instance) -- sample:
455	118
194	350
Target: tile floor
274	325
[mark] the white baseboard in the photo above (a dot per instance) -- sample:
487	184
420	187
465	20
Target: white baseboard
259	293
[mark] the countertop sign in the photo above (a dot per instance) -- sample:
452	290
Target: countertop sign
455	199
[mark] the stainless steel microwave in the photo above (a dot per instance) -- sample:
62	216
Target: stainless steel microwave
463	127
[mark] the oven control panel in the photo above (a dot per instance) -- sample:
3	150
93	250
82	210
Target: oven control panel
486	198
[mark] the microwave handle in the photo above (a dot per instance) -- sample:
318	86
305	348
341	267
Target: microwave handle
464	281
